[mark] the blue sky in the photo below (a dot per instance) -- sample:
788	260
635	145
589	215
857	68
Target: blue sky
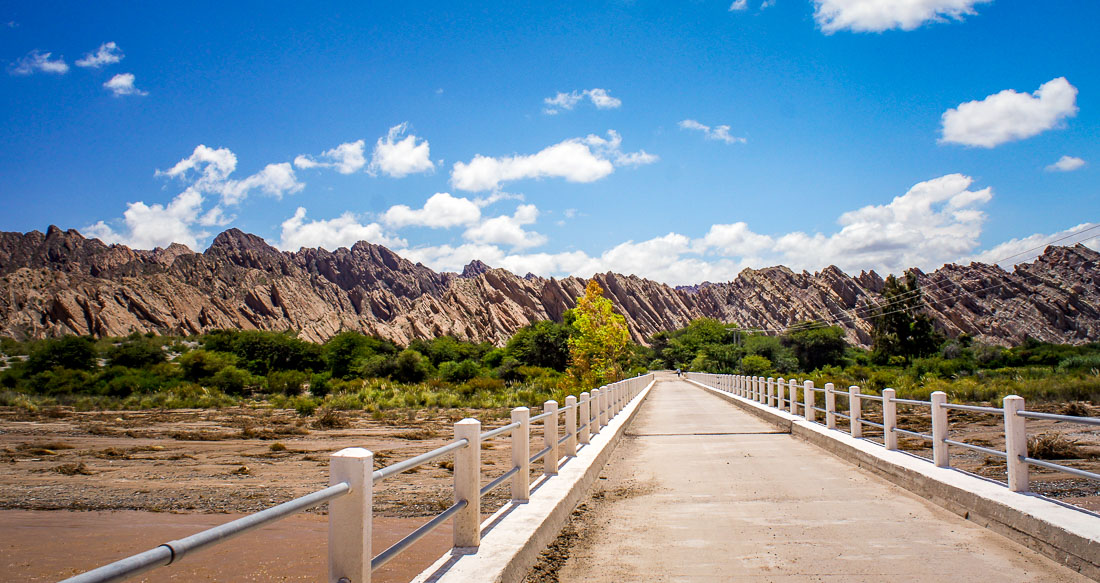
677	141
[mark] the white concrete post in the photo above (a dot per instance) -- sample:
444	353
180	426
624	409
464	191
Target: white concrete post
855	410
941	456
467	522
594	406
830	407
808	398
521	452
571	426
349	516
761	397
889	419
604	398
771	391
1016	443
793	386
586	418
550	435
780	393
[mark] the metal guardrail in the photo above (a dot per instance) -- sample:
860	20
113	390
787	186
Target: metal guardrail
772	392
349	551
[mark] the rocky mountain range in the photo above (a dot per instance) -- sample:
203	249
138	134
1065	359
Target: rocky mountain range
63	283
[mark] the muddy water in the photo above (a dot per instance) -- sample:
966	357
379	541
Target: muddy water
49	546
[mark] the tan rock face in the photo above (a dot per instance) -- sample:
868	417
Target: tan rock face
62	283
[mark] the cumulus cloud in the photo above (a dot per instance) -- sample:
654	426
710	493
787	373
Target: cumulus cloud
508	230
107	54
207	170
37	61
1008	116
440	211
721	132
881	15
934	222
576	160
343	231
123	84
601	98
398	158
149	226
1026	249
347	158
1066	164
739	5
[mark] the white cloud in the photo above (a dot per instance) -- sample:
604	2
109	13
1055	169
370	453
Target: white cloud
347	158
107	54
39	61
720	132
1066	164
399	158
440	211
739	5
343	231
1027	249
1008	115
207	170
149	226
123	84
508	230
601	98
576	160
881	15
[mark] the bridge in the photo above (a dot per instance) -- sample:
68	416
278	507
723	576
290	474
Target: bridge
719	478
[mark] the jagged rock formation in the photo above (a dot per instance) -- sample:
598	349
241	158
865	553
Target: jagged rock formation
63	283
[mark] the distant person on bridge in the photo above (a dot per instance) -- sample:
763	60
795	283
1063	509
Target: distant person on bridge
677	372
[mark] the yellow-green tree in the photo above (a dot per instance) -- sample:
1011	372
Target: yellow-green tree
600	342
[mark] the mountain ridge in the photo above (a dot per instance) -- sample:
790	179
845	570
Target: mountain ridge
61	282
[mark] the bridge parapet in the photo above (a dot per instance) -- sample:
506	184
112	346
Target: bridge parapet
352	481
1067	534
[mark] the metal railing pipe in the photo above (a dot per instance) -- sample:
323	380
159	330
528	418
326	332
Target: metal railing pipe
1053	417
399	546
984	450
499	430
1061	468
419	460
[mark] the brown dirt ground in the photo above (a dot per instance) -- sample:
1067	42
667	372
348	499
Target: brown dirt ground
190	463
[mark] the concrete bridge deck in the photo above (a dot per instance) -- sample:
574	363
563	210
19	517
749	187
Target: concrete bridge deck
702	491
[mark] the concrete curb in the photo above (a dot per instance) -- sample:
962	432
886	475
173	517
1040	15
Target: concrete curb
1068	535
513	537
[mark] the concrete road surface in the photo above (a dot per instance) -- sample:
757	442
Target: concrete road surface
702	491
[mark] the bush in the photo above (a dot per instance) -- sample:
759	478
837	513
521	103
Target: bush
71	352
754	365
458	372
231	380
290	382
136	352
410	367
1082	362
201	365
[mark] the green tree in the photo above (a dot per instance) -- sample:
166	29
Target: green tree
136	351
815	347
600	342
543	344
411	367
71	352
902	328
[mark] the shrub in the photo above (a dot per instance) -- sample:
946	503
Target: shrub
231	380
754	364
1053	446
457	372
290	382
71	352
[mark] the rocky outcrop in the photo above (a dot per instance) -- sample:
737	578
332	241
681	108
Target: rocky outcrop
63	283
